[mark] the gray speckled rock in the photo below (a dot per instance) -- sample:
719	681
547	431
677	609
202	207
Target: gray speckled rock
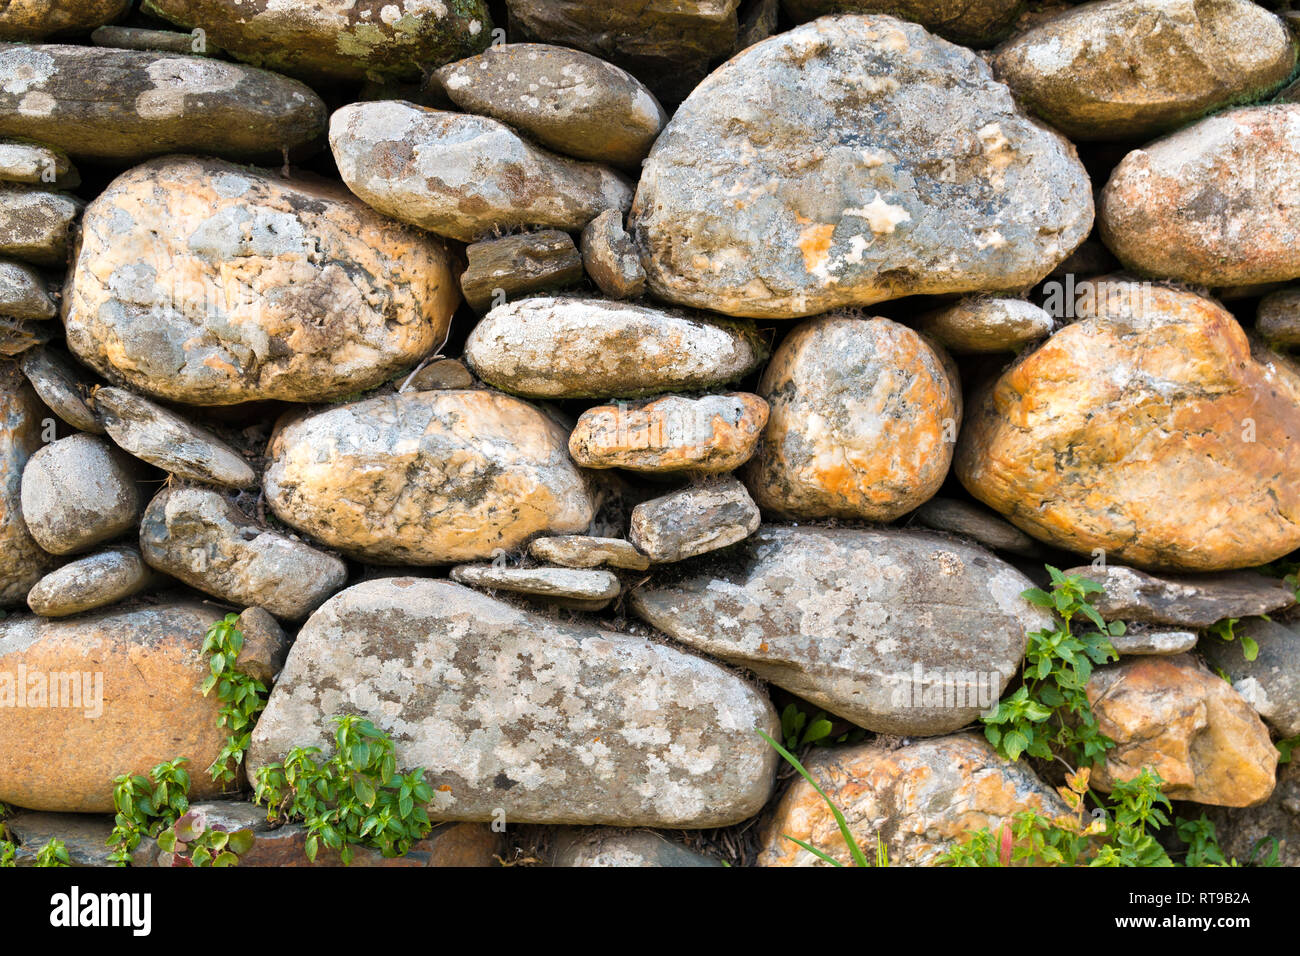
986	325
593	348
62	385
86	837
1271	682
166	440
22	562
1193	601
23	293
1122	69
1138	641
702	517
329	40
122	106
987	527
196	535
165	41
864	416
37	19
567	100
601	846
34	223
427	477
617	730
90	582
22	161
898	631
204	282
580	551
610	257
1187	207
77	492
464	176
1278	318
583	588
972	22
863	159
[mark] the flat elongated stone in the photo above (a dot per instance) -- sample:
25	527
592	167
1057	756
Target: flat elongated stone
1191	727
1135	642
426	477
77	492
592	348
987	325
22	562
1194	601
126	105
137	672
919	801
204	282
601	846
898	631
1129	68
1176	457
580	551
34	223
62	385
164	439
443	669
707	435
166	41
197	536
37	19
1188	207
862	159
23	293
22	161
863	422
973	22
589	587
90	582
990	530
610	257
464	176
695	520
514	266
328	40
567	100
85	837
1271	682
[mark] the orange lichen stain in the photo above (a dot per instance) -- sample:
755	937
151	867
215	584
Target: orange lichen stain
445	788
213	362
815	244
763	647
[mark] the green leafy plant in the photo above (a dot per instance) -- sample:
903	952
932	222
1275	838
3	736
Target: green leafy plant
1288	571
242	698
1225	630
1286	747
54	853
356	797
1202	843
145	806
191	842
1049	712
798	731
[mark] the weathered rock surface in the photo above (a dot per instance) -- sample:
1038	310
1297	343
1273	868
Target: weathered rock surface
164	439
514	266
1134	642
62	385
610	257
706	435
961	517
426	477
1191	727
567	100
138	671
23	293
122	106
974	22
668	46
22	161
1271	682
601	846
1129	68
919	800
864	159
978	325
592	348
1278	318
700	518
464	176
34	223
443	373
1176	457
203	282
618	730
86	837
1240	832
584	588
196	535
37	19
328	40
90	582
1188	206
22	562
166	41
864	418
580	551
898	631
1194	601
77	492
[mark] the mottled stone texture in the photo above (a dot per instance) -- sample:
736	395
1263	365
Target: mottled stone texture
22	562
851	160
974	22
702	517
1122	69
919	801
79	491
1271	682
332	40
203	282
552	722
867	624
863	421
37	19
126	105
426	477
986	325
1197	601
90	582
1173	451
